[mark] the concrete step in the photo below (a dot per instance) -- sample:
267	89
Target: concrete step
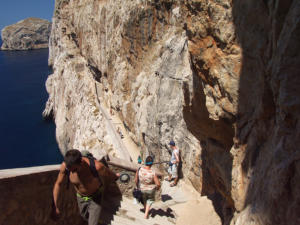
160	213
130	213
118	220
172	195
123	217
110	207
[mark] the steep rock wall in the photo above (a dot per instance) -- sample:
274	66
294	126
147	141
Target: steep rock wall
267	127
218	76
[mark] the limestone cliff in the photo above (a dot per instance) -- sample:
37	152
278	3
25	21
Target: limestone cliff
30	33
218	76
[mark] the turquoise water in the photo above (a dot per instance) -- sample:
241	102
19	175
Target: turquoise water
26	139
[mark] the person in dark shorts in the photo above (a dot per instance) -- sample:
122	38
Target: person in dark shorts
148	182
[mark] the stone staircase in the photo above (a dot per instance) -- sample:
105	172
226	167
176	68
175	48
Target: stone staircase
161	213
131	214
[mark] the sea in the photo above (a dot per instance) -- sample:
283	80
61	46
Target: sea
26	139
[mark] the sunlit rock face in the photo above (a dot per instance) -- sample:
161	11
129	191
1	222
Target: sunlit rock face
30	33
219	77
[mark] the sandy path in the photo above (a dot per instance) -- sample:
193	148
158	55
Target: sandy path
124	147
119	147
131	147
197	210
190	207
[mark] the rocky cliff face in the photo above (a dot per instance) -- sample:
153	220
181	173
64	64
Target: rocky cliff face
218	76
31	33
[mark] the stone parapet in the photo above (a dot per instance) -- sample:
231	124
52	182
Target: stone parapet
26	197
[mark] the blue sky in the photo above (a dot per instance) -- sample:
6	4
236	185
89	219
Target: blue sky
13	11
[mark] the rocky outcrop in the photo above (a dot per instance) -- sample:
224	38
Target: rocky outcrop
31	33
218	76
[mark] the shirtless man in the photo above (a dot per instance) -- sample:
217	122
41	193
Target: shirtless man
88	187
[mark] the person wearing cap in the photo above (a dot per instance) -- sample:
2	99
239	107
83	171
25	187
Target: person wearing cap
174	162
147	180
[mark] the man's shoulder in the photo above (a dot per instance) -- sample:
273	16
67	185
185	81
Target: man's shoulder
99	165
88	160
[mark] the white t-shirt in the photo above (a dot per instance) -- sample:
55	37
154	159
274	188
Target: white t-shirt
173	157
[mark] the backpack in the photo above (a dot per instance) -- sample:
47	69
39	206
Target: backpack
94	172
137	193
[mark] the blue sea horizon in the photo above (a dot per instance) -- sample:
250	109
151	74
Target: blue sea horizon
26	138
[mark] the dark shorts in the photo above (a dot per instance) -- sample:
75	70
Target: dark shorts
90	207
148	196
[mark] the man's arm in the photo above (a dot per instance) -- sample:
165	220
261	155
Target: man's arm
157	182
177	157
136	178
56	190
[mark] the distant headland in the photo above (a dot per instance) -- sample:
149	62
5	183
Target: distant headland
30	33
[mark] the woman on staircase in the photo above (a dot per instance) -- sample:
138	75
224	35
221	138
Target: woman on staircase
147	181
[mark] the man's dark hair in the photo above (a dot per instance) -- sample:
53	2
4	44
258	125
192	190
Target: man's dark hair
172	143
149	160
72	157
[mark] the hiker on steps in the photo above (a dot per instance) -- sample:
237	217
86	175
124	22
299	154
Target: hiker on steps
87	175
147	180
174	163
120	132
